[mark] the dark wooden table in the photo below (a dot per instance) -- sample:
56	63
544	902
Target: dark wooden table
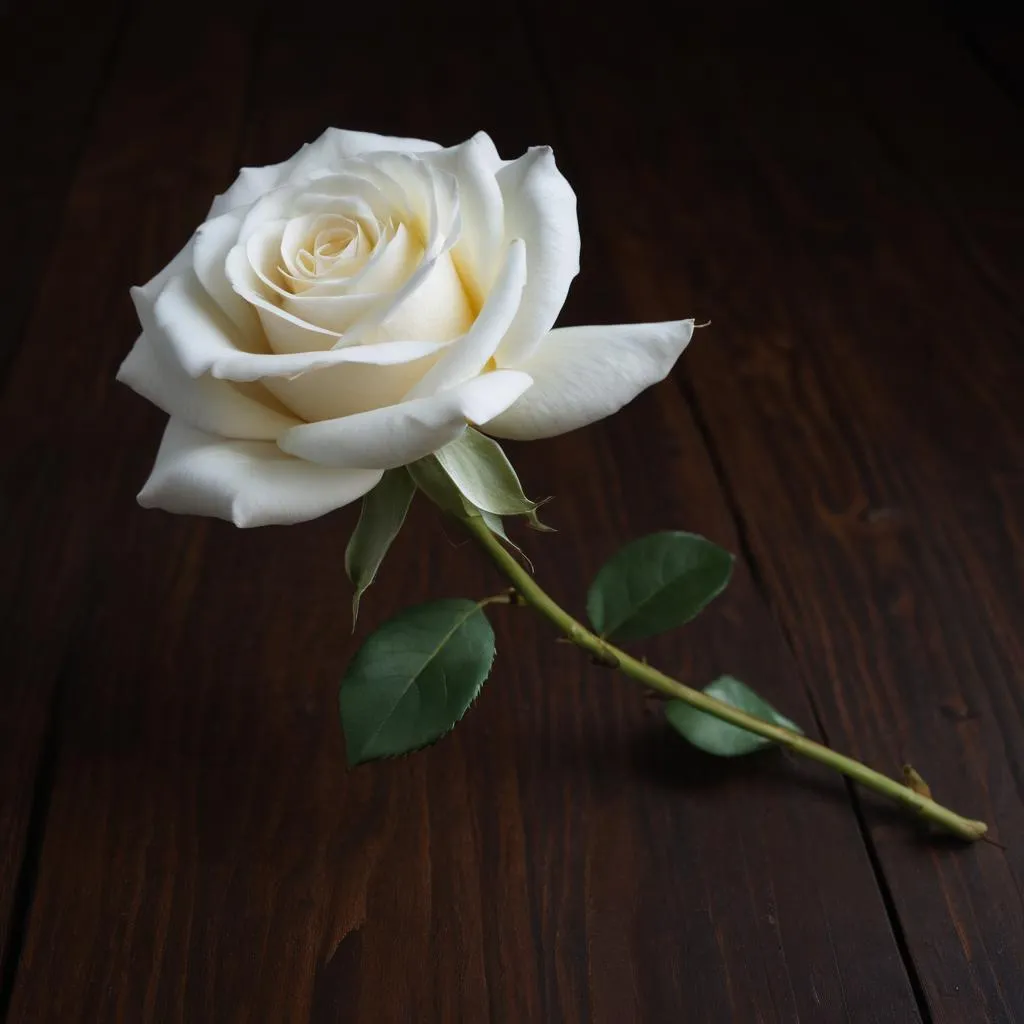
839	192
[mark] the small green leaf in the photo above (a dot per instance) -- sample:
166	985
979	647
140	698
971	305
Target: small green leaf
714	736
481	471
435	483
383	512
414	678
431	478
656	583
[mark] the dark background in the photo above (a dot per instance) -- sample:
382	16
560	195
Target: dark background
839	191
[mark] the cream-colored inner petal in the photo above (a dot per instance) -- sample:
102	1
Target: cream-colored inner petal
364	252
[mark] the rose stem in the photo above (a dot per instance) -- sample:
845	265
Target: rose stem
532	594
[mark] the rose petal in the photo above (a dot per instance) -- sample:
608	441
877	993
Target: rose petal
309	229
477	253
467	356
251	184
428	196
443	310
144	296
540	207
255	274
393	261
328	151
213	241
583	374
431	303
283	331
217	406
334	391
334	313
250	483
338	144
315	320
434	306
400	434
346	191
190	329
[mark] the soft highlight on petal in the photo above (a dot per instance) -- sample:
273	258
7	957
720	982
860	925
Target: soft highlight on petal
250	185
477	253
540	208
248	483
212	243
399	434
344	390
217	406
583	374
338	144
202	342
467	356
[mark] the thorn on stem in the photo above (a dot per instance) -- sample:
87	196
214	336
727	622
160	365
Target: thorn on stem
912	780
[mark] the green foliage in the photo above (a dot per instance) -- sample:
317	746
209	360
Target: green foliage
381	517
479	468
474	469
714	736
434	482
656	583
414	678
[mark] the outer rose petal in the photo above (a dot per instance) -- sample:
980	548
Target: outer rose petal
250	483
251	183
399	434
478	251
337	144
145	295
211	244
205	403
186	325
540	208
335	391
334	145
583	374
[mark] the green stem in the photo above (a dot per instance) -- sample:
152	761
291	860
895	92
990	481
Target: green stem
527	588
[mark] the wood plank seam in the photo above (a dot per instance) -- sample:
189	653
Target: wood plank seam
27	859
35	831
12	930
567	147
760	585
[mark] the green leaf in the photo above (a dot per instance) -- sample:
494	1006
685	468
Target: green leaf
431	478
383	512
656	583
479	468
414	678
714	736
435	483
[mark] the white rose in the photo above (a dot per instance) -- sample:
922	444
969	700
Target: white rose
354	308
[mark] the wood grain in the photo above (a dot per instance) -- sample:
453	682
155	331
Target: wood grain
53	68
54	58
200	850
69	454
859	257
560	857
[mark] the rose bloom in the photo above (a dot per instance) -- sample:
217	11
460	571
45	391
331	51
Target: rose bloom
354	308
